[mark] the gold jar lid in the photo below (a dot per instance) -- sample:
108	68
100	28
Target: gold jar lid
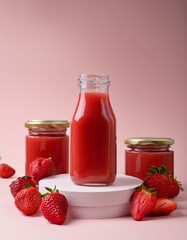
46	124
149	141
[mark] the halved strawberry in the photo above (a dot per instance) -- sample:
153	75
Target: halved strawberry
142	202
163	206
6	170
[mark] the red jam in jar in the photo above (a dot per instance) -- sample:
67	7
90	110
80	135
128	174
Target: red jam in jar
145	152
48	138
93	134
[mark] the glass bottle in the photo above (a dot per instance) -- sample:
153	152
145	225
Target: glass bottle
93	133
48	138
145	152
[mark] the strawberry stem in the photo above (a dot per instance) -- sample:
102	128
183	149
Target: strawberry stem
151	190
50	190
28	177
28	185
156	170
179	183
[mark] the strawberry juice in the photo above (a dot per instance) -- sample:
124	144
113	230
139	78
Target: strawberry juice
93	140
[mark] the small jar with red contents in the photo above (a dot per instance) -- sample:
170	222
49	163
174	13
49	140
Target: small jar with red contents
48	138
146	152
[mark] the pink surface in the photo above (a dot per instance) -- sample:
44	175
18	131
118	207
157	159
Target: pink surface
14	225
45	45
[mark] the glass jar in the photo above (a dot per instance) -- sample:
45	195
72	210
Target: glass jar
145	152
93	133
48	138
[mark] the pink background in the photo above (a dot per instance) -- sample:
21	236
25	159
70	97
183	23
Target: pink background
141	44
45	45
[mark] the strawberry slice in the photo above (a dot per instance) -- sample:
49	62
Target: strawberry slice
6	170
163	206
142	202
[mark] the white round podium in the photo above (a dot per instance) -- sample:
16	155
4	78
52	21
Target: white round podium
94	202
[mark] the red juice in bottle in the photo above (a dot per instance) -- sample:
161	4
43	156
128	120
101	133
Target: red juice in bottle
93	134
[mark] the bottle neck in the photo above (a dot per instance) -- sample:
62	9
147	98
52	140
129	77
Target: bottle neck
94	83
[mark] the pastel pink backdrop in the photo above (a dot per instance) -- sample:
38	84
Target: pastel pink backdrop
141	44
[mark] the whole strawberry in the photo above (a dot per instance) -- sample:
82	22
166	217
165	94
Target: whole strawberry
54	206
163	206
159	180
6	171
142	202
176	187
41	168
28	200
20	183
